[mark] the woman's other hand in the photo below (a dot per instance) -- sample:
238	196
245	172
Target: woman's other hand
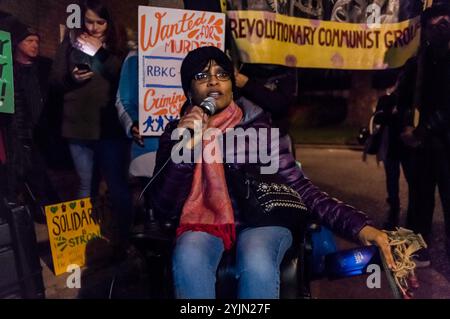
370	235
196	115
137	138
81	75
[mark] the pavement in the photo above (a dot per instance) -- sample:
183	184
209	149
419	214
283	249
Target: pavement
339	171
102	277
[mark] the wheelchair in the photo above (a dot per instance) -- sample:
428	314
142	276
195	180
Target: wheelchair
297	269
156	242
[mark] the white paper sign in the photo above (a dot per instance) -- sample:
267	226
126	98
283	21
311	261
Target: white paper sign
165	37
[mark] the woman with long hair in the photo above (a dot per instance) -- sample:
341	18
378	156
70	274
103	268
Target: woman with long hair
87	69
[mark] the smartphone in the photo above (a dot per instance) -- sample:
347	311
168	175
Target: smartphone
83	67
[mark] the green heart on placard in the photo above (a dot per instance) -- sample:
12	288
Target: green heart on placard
73	205
54	209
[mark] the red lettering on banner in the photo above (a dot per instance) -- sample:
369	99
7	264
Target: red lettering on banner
401	38
184	46
150	36
163	105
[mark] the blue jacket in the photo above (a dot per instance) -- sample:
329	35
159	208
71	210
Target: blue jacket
127	104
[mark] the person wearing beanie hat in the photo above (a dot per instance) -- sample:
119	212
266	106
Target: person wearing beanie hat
27	69
26	43
210	218
20	32
196	61
428	79
25	160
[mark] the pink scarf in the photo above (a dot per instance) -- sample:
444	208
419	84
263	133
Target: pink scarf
208	207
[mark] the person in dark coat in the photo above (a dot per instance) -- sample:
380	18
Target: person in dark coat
430	82
27	178
393	152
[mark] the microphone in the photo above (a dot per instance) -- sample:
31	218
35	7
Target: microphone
208	105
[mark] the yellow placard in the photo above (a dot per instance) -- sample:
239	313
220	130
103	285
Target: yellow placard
265	37
70	227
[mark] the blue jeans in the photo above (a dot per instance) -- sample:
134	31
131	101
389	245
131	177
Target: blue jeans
83	159
259	253
110	158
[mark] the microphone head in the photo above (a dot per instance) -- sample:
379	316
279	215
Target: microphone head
209	105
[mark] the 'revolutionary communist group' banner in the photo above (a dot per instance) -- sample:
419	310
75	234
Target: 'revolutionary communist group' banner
266	37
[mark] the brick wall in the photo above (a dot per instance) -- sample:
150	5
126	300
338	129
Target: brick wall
50	15
47	15
21	8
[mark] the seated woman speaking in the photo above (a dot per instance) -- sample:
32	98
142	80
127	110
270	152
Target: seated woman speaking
210	219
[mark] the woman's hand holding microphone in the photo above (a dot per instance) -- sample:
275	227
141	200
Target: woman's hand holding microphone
191	122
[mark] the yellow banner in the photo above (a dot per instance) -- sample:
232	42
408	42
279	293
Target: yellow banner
264	37
427	3
70	227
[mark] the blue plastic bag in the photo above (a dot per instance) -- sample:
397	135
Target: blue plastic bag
323	243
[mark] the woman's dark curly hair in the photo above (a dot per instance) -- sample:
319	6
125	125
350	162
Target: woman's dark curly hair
196	60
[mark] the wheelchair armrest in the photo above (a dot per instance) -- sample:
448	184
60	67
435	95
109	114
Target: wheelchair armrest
313	227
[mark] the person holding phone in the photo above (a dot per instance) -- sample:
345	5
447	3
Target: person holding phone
83	67
87	69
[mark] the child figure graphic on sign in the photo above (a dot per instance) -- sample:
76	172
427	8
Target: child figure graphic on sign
149	124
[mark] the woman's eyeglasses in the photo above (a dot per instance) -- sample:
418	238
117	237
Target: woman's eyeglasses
203	77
